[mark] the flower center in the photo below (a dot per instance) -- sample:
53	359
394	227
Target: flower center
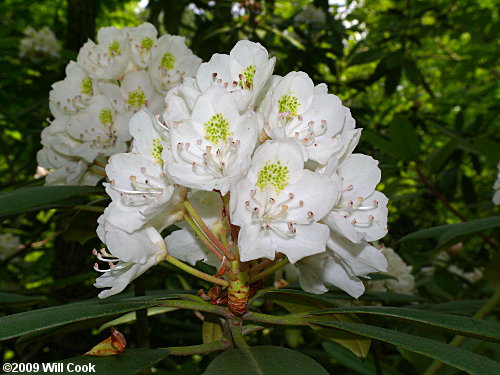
147	43
273	174
86	86
136	98
167	61
246	77
114	48
105	117
157	150
217	129
288	104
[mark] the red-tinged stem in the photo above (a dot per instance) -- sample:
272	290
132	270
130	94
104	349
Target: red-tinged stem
201	224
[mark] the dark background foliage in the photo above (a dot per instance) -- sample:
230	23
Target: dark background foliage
421	78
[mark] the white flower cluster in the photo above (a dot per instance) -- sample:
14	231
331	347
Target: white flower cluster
496	188
280	146
9	245
403	282
40	44
126	71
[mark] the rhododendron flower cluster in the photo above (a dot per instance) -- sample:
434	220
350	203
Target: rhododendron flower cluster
257	171
126	71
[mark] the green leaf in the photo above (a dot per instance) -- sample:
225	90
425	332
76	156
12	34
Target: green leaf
438	159
367	56
40	197
463	229
211	329
264	360
130	362
296	301
392	78
454	356
459	325
17	300
411	71
131	317
433	232
404	139
357	365
37	320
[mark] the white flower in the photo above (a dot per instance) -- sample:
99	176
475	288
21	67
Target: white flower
296	109
404	282
38	44
180	101
65	170
73	94
361	212
141	193
244	72
212	147
99	129
142	39
340	266
129	256
134	93
9	245
496	187
278	203
171	62
109	58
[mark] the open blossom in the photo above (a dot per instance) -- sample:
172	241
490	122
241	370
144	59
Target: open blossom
38	44
110	81
361	212
296	109
243	72
278	205
171	62
340	266
211	148
107	59
144	202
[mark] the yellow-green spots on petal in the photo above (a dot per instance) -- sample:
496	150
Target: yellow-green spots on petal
157	150
147	43
248	73
86	86
136	98
167	61
273	174
217	129
288	104
106	117
114	48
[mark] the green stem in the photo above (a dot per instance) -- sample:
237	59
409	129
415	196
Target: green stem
269	271
202	236
206	230
193	271
237	334
213	346
487	308
189	305
276	320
